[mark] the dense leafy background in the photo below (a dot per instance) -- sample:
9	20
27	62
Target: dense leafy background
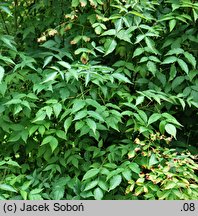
98	99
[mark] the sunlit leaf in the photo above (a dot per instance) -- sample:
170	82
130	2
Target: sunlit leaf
109	46
183	65
91	185
169	60
138	52
98	194
190	58
121	77
172	24
81	114
115	182
1	73
7	187
64	64
57	109
153	160
91	124
75	3
171	129
134	167
78	105
91	173
153	118
50	77
47	60
109	32
67	123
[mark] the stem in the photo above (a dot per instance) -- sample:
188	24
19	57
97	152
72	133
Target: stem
15	15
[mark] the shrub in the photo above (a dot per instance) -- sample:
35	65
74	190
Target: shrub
103	104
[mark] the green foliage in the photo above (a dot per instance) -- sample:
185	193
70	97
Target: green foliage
99	101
